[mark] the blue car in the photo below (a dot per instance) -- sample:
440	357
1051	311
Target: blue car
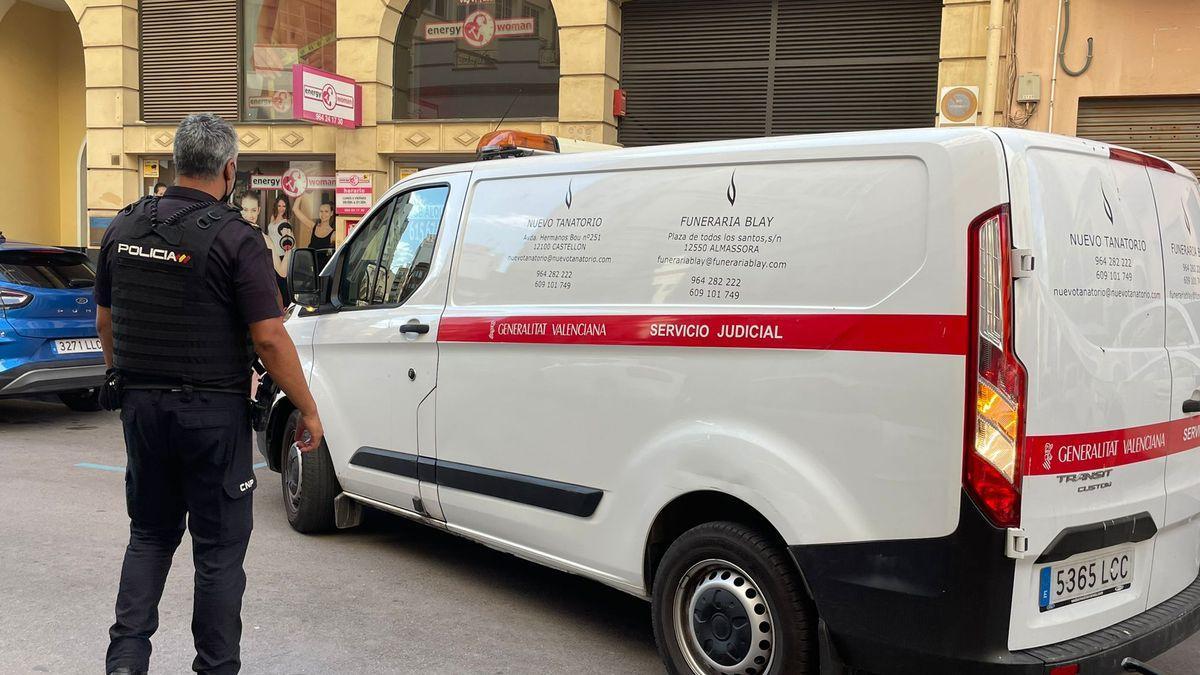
48	342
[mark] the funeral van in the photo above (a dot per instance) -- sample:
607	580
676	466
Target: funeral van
901	402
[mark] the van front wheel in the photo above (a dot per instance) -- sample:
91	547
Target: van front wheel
309	484
727	600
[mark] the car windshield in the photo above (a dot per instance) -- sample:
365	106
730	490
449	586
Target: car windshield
46	269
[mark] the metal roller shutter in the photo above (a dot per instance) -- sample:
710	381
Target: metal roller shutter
694	70
189	59
1167	126
710	69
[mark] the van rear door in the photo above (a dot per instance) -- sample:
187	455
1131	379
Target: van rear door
1089	328
1177	550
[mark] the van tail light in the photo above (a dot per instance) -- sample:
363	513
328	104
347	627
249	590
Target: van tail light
995	424
14	299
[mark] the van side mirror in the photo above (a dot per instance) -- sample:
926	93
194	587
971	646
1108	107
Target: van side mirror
302	282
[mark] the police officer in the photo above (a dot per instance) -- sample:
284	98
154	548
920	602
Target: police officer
186	294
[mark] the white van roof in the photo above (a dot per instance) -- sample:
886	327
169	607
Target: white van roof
692	153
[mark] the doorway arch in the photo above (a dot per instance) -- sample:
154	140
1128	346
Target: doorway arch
45	127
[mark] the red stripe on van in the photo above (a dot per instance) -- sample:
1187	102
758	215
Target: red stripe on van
1071	453
901	333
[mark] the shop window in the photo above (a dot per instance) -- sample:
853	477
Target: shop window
478	60
291	202
278	34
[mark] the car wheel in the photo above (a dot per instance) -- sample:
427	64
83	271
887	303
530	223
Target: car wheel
309	484
728	600
81	401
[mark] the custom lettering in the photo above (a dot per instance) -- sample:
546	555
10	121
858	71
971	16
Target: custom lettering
518	329
1088	451
579	329
1191	433
1140	444
753	331
154	253
687	330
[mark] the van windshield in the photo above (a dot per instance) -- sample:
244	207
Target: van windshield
46	269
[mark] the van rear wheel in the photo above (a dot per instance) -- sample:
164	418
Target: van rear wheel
728	601
309	484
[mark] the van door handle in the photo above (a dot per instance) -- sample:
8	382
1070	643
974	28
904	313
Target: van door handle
1191	405
423	328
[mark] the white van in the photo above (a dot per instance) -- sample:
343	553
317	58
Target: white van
907	401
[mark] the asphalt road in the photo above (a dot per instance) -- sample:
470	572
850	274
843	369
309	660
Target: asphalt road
389	597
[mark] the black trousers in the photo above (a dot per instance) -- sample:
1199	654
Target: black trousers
189	455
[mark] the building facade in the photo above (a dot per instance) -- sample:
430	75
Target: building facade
104	82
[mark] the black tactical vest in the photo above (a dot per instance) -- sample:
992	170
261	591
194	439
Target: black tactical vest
167	323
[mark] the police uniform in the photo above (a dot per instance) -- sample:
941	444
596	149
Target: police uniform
184	277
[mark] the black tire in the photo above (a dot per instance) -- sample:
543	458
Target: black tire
734	571
311	510
81	401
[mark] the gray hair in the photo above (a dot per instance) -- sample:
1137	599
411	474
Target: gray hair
204	143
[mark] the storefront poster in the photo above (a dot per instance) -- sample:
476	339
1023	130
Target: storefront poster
150	168
325	98
279	102
294	182
353	195
480	28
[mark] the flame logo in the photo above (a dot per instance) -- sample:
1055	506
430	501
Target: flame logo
1048	457
569	195
1107	207
731	193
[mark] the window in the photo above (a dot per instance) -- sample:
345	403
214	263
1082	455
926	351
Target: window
189	58
361	261
278	34
409	247
387	263
476	61
40	269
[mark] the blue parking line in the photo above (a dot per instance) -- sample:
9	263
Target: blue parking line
121	469
102	467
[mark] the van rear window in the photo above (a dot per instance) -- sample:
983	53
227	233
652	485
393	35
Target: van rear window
42	269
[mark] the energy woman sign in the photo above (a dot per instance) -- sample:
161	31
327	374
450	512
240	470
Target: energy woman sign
325	98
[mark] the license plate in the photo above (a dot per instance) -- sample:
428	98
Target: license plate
78	346
1085	578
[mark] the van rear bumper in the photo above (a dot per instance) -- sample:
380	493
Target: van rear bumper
943	606
1143	636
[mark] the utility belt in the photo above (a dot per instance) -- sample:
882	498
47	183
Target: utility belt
184	389
114	388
